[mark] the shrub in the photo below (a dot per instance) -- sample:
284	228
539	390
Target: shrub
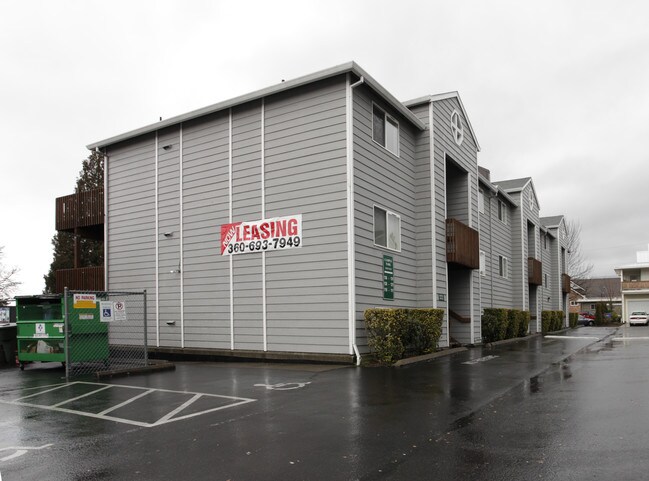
524	324
494	324
572	318
514	321
425	329
547	318
392	331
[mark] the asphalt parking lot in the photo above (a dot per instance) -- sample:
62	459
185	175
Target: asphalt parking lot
242	421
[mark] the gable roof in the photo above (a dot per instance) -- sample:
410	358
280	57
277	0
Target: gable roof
445	96
599	287
518	185
351	67
553	222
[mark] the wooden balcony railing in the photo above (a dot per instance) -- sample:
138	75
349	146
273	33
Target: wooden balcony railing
85	278
82	210
462	244
565	283
631	285
534	271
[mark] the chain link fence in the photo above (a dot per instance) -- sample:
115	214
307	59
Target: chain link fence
104	331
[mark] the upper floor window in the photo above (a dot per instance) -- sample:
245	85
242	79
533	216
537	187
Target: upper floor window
502	266
531	201
457	129
387	229
502	211
481	201
385	130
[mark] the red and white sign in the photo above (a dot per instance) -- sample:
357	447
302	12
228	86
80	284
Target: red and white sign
278	233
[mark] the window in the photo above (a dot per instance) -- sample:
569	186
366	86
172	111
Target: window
457	129
545	280
385	130
545	241
574	303
502	211
483	264
481	201
387	229
592	307
531	201
502	266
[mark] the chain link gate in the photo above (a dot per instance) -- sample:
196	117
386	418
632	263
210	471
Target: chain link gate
104	331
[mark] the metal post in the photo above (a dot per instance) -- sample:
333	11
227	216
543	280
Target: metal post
146	351
66	324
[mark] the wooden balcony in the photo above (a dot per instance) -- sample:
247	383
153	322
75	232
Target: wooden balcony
85	278
565	283
462	244
534	271
634	285
82	213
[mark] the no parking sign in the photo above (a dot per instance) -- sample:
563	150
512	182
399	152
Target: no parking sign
112	311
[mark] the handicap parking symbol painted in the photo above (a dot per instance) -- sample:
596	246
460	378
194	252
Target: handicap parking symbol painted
283	386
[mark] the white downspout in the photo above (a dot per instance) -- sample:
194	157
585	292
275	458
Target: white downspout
351	258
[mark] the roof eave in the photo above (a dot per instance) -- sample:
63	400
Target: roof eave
289	84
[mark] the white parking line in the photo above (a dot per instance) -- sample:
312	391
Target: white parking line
169	417
639	338
592	338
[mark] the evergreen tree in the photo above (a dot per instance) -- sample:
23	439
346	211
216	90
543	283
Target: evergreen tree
90	177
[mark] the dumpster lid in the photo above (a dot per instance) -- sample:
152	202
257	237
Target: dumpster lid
40	297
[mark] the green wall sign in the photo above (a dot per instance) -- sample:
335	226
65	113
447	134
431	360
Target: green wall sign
388	278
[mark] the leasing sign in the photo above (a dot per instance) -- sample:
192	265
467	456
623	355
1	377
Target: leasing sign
278	233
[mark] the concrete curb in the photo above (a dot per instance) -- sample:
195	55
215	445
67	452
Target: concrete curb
427	357
154	366
512	340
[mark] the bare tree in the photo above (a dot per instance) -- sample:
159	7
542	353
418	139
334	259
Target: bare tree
8	282
578	266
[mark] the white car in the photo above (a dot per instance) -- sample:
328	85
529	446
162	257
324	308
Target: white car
639	317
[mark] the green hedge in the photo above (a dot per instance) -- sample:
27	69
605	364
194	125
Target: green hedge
499	324
552	321
524	325
392	332
572	318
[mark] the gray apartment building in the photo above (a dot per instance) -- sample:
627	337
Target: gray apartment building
523	257
265	225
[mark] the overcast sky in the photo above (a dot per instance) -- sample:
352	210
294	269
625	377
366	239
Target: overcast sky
555	90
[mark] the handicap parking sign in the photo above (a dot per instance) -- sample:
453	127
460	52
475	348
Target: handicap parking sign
106	308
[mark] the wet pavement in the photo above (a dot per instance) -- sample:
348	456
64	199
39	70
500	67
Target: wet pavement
571	407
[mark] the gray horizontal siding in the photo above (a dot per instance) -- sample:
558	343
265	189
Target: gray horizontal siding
305	173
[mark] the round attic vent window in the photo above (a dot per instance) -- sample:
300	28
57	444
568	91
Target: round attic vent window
457	128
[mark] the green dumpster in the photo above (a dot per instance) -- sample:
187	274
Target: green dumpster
41	331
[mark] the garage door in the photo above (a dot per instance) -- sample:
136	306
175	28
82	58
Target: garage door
637	305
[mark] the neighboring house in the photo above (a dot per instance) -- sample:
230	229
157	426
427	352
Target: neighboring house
587	293
524	255
634	280
374	202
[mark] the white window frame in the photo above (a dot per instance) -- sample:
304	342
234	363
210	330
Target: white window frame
387	120
574	304
481	199
483	263
457	127
388	213
503	267
502	212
